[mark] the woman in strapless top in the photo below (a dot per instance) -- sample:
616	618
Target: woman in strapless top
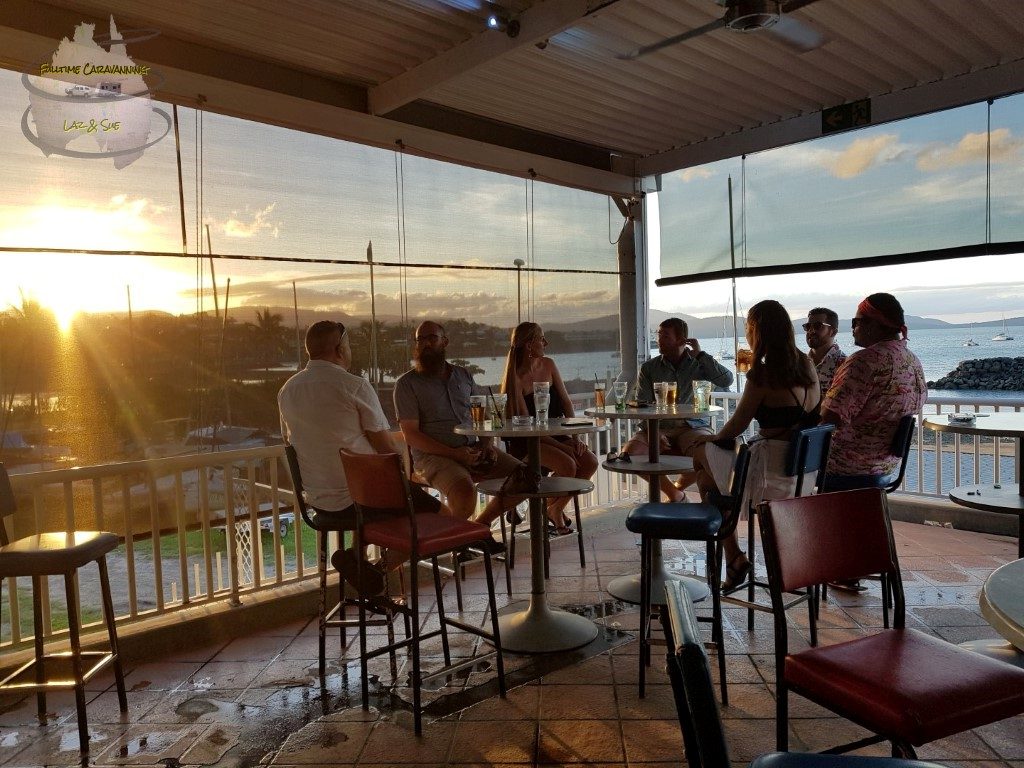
782	393
564	456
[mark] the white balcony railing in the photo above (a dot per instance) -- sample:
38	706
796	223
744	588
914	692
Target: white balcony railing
211	527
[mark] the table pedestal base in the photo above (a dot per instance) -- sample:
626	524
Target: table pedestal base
627	588
541	629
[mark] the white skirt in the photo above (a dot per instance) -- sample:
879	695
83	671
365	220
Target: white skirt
766	477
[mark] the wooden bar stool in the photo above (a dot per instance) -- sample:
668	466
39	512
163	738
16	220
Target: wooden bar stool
60	553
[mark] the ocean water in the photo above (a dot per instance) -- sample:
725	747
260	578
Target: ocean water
940	350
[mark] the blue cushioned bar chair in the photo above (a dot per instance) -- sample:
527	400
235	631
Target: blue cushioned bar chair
808	453
699	719
709	522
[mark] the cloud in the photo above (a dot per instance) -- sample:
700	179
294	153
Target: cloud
972	148
861	155
698	173
256	223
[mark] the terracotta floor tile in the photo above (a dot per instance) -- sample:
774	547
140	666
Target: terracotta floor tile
577	702
580	741
521	703
392	744
482	742
324	742
653	740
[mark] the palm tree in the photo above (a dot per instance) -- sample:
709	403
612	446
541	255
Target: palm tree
270	335
35	330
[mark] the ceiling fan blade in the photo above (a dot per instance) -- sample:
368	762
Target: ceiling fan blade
795	5
797	35
689	34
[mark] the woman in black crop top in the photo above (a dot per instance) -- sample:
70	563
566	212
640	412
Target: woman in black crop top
782	393
564	456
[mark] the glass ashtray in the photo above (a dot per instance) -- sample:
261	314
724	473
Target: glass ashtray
522	421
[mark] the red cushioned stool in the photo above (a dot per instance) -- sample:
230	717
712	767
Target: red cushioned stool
906	686
387	518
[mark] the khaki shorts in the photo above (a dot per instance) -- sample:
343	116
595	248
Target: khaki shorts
680	438
445	474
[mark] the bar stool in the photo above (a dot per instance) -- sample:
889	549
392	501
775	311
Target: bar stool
59	553
324	524
388	518
808	452
708	522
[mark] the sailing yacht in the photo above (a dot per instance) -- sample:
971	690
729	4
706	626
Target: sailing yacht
1003	335
970	341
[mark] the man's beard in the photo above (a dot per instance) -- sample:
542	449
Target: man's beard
429	361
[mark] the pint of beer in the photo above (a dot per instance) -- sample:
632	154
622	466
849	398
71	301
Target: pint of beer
744	359
671	391
478	409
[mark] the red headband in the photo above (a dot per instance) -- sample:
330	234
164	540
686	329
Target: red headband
869	310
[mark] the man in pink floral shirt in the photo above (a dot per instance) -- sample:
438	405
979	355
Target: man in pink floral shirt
872	390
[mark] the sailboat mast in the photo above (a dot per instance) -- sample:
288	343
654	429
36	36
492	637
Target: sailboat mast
732	258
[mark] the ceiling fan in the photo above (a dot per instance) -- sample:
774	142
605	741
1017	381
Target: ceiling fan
750	16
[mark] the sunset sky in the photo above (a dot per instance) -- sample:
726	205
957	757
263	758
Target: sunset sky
271	192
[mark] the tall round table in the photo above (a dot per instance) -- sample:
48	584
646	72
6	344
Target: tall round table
539	628
627	588
1004	498
1002	602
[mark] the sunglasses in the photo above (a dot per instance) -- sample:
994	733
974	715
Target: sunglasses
818	325
857	321
621	456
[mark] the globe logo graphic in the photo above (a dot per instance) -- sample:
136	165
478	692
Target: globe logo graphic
93	102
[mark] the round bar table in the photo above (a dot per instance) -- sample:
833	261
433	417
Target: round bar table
1002	602
627	588
539	628
1005	498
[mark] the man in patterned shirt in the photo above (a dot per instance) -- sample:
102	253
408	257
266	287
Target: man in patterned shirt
870	393
821	328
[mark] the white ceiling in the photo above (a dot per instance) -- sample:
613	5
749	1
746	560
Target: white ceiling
428	72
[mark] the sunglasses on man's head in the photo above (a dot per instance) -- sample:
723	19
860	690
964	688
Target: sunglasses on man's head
817	325
622	456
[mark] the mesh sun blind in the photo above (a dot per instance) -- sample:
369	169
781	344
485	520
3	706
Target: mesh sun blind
912	190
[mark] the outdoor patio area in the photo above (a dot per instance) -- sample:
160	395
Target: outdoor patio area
257	700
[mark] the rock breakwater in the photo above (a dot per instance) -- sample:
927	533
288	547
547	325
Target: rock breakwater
991	373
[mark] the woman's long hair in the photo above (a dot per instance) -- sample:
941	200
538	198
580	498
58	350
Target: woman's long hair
517	362
777	362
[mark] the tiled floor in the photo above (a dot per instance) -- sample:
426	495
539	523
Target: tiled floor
258	701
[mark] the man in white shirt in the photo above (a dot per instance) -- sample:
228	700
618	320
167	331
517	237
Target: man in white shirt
325	408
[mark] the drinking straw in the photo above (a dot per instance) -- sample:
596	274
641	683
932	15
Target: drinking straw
494	402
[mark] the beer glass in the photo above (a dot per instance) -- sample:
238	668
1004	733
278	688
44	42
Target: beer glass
744	359
599	395
478	409
671	390
660	394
